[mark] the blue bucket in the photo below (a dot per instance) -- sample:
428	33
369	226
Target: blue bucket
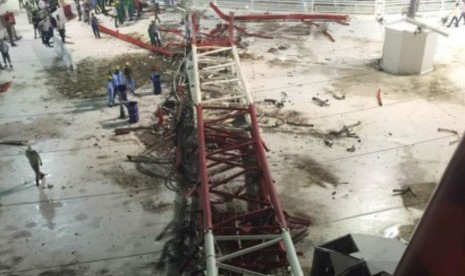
133	111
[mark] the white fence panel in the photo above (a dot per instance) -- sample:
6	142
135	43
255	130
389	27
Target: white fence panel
332	6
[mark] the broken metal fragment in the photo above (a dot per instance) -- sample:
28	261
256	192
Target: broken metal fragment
452	132
320	102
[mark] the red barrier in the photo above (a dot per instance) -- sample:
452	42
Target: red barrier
135	41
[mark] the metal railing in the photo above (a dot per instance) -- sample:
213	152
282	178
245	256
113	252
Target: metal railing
331	6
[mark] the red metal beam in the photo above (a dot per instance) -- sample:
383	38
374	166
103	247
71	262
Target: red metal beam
135	41
204	186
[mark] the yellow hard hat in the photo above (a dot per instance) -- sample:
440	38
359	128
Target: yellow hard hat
110	77
126	64
117	67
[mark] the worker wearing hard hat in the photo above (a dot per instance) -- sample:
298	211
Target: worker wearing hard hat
111	91
127	72
120	84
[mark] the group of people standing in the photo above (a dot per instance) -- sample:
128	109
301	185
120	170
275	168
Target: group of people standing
118	83
126	10
40	16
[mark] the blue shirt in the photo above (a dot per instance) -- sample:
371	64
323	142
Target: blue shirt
118	78
93	21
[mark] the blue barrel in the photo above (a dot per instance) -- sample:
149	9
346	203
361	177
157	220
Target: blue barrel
156	84
133	111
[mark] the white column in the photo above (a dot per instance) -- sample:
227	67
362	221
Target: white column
291	254
212	270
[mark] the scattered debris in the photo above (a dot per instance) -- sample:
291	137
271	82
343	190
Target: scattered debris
338	96
277	103
272	50
274	102
328	142
351	149
299	124
403	191
452	132
378	96
146	159
15	142
127	130
5	86
377	64
283	47
346	130
320	102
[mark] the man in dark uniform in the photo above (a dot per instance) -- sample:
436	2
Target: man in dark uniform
36	162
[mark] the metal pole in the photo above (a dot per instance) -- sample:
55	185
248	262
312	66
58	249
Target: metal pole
291	254
244	83
212	270
195	66
250	249
412	9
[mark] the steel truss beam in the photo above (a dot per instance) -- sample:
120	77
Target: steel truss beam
241	212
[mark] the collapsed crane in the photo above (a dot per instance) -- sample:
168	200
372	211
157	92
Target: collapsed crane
220	158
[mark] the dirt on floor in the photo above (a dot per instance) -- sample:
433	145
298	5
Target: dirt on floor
46	127
90	79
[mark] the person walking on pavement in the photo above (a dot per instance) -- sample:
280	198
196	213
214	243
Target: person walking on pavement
94	24
4	49
462	10
157	8
28	12
46	32
115	13
455	16
156	33
36	162
35	23
86	10
61	27
79	10
127	72
111	92
150	31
